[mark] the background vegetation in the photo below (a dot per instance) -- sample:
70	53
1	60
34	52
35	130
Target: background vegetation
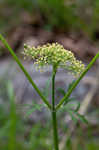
55	14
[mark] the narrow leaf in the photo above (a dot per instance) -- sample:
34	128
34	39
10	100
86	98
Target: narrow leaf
62	91
72	116
46	89
71	84
30	112
78	107
69	100
81	118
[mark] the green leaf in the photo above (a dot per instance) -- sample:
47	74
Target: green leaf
62	91
27	105
30	112
10	90
68	100
81	118
72	116
78	107
46	89
70	85
33	107
69	143
74	113
70	106
74	107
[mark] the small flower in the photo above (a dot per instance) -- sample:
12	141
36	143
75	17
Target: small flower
54	54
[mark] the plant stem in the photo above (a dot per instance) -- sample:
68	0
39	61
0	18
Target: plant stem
77	81
24	71
55	133
54	120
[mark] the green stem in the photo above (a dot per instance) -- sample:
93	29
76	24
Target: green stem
24	70
54	120
55	132
77	81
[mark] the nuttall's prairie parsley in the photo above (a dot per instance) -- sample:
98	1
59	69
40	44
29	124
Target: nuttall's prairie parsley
54	54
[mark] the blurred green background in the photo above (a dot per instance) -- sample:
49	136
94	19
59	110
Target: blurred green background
66	19
62	15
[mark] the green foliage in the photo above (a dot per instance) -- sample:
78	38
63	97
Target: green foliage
72	109
13	128
45	91
33	107
36	138
10	122
56	14
95	17
38	107
10	12
68	143
71	84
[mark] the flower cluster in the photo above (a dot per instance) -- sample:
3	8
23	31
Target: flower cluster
54	54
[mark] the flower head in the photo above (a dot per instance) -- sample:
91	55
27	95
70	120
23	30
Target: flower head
54	54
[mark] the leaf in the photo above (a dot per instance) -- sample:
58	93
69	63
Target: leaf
46	89
5	129
70	106
30	112
75	116
69	143
62	91
72	116
10	90
33	107
81	118
27	105
68	100
78	107
38	107
71	84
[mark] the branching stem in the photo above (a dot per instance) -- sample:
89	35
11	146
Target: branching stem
24	71
77	81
